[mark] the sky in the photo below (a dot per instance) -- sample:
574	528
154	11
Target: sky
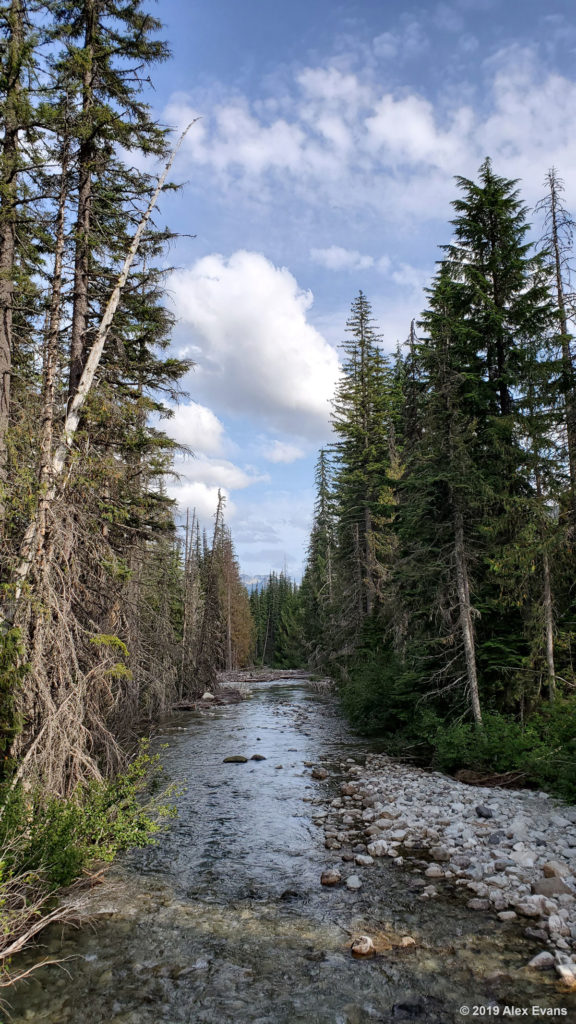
322	159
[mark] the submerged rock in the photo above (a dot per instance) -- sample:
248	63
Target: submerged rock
362	946
235	759
331	877
258	757
319	773
353	882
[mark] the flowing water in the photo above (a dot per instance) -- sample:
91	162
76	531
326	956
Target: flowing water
224	920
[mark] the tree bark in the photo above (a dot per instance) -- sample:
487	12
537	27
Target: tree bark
80	306
8	185
466	621
567	362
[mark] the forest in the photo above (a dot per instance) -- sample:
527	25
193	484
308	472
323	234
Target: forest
438	590
439	587
112	610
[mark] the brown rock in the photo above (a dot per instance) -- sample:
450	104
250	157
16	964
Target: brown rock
319	773
551	887
331	877
555	869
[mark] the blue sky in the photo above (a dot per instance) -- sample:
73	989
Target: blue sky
322	162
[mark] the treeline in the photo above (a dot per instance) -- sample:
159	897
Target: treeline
277	619
107	615
439	585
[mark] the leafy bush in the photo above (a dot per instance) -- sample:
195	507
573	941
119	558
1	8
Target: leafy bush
58	837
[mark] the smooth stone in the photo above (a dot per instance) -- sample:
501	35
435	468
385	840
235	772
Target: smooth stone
331	877
235	759
319	773
364	860
440	853
551	887
362	946
208	696
567	974
353	882
484	812
257	757
555	869
542	961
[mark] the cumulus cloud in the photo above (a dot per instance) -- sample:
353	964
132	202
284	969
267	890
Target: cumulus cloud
282	451
196	427
259	354
218	473
337	258
199	496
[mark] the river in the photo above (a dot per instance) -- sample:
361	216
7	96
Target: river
224	920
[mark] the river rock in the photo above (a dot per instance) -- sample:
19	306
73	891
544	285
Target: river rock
353	882
555	869
542	961
434	871
362	946
567	972
364	860
235	759
440	853
484	812
258	757
331	877
551	887
208	696
527	908
319	773
379	848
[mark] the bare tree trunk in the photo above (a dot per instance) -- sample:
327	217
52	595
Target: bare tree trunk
60	456
84	208
51	358
549	627
8	181
567	362
466	621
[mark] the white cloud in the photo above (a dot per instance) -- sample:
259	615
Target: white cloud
217	473
337	258
199	496
259	355
344	140
196	427
282	451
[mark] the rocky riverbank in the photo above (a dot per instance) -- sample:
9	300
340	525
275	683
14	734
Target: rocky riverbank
512	853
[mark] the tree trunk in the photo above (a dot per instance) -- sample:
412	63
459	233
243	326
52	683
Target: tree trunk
466	622
567	363
84	208
549	627
8	183
51	358
59	459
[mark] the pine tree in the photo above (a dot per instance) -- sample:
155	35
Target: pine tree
362	456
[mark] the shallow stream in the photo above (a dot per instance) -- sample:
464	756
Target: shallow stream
224	920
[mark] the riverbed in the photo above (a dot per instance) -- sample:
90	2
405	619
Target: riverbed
224	919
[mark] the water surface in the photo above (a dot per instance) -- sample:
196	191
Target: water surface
224	920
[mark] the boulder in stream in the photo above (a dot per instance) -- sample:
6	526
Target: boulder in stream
331	877
258	757
362	946
235	759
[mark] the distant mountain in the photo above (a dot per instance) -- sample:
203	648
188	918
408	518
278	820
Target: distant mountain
253	582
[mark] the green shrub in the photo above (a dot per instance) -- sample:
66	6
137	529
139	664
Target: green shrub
57	838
